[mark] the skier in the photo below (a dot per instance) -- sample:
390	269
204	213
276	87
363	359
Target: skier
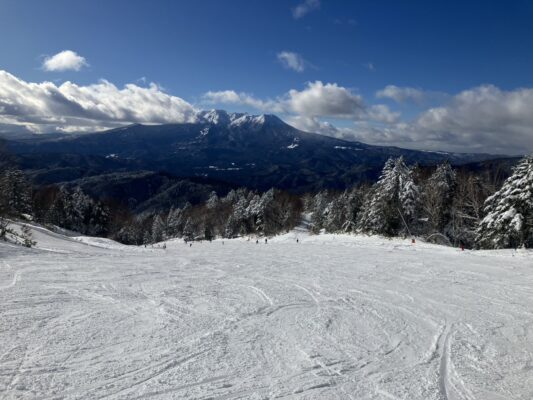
266	240
297	240
257	242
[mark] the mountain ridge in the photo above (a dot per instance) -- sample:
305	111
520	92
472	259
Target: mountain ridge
258	151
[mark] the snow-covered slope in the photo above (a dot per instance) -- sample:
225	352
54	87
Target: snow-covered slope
330	317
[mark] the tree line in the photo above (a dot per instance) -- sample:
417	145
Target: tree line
442	205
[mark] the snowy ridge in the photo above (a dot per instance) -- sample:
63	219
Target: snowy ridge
327	317
221	117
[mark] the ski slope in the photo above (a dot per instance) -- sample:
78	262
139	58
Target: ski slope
330	317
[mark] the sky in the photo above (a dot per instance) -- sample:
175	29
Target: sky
434	75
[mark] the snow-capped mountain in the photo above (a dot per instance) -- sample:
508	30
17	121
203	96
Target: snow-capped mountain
259	151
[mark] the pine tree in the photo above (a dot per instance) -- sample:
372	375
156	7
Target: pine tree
56	214
438	197
319	211
15	193
213	200
334	217
188	230
172	224
391	202
158	229
509	212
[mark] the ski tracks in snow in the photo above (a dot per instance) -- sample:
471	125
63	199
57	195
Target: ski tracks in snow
14	279
299	321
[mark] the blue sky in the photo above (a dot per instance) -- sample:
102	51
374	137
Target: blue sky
448	64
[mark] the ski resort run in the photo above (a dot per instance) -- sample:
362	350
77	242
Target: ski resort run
324	317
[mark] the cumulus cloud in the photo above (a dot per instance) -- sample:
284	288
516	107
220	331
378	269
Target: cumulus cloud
382	113
63	61
305	8
315	100
232	97
400	94
291	60
484	118
45	107
306	106
313	124
407	94
325	100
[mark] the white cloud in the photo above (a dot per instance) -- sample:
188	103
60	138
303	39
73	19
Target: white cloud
315	100
401	94
292	61
407	94
304	8
325	100
44	107
232	97
63	61
382	113
484	118
313	124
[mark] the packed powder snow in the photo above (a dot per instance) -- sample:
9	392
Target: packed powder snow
327	317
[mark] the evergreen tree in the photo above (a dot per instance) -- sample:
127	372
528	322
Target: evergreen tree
158	229
213	200
172	223
15	193
188	230
509	212
392	201
56	214
319	211
438	197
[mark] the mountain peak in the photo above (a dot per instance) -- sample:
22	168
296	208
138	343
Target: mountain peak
223	118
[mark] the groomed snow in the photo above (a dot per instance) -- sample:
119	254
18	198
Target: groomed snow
331	317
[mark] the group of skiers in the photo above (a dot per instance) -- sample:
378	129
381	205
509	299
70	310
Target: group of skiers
190	243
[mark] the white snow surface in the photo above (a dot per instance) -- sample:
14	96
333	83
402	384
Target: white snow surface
330	317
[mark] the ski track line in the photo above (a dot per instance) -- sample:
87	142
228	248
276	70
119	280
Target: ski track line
166	366
14	280
262	294
309	293
443	364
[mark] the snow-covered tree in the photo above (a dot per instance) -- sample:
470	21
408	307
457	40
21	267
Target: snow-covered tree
188	230
78	212
158	229
391	202
213	200
467	208
437	198
509	212
319	210
15	192
173	222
